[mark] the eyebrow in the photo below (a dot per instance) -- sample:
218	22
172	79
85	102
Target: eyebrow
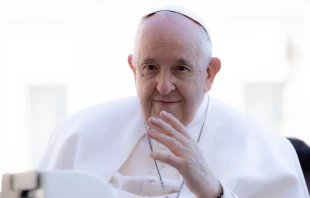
184	62
149	61
179	62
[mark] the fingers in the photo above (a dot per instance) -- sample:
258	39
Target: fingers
165	128
172	160
174	123
170	142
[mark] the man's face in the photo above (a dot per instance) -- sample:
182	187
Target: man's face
169	66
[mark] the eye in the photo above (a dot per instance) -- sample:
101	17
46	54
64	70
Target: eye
150	67
149	70
181	68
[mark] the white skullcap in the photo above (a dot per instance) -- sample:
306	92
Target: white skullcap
184	11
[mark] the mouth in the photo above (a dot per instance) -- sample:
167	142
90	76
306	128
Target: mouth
166	102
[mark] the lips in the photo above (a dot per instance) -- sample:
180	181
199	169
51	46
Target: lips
166	102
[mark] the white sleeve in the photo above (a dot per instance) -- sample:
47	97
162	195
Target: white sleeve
227	193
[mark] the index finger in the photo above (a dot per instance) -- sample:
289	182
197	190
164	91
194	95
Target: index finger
174	123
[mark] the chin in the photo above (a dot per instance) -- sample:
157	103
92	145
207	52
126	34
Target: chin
156	114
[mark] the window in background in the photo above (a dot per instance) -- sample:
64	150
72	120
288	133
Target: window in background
48	107
263	101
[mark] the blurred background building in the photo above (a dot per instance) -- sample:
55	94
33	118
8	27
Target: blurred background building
59	56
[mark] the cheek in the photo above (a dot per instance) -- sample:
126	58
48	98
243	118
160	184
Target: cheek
145	88
191	90
187	86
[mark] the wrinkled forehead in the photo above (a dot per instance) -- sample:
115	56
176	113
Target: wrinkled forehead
183	11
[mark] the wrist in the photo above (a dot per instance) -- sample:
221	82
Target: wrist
216	192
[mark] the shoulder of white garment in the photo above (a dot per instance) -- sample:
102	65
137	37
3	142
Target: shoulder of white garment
90	123
226	115
253	156
109	113
232	125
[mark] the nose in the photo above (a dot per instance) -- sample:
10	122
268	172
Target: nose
165	83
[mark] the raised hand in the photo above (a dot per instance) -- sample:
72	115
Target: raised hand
186	155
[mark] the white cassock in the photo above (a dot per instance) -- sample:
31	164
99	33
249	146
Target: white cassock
109	140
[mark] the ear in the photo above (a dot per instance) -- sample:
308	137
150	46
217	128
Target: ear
213	68
131	65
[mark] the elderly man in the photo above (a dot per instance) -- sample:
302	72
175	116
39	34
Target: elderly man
173	140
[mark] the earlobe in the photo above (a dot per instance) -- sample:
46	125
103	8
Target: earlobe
212	70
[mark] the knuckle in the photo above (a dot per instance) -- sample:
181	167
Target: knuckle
188	164
171	140
175	134
155	154
169	159
172	132
184	149
180	126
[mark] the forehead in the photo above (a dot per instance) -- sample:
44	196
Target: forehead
168	34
